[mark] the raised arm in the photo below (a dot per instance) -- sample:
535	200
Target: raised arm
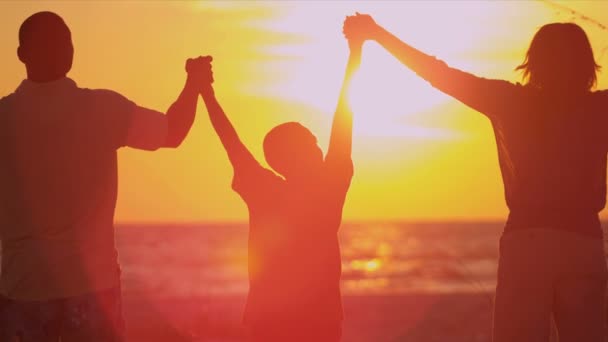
180	115
151	130
484	95
340	141
238	153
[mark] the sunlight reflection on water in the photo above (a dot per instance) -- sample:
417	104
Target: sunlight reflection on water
376	258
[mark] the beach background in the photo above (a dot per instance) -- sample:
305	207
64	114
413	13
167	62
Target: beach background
401	282
425	210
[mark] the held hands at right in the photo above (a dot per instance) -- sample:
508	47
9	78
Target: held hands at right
355	43
360	27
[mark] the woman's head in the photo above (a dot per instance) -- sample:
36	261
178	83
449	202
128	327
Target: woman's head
292	150
560	57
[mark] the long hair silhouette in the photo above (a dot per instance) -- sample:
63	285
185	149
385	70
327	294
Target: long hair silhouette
560	57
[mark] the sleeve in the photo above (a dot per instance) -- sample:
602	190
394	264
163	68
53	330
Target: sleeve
148	129
111	118
252	181
488	96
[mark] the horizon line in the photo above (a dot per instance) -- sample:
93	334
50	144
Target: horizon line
350	221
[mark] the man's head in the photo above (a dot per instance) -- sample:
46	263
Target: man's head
560	57
45	47
292	150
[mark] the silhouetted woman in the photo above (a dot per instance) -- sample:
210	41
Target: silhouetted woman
551	134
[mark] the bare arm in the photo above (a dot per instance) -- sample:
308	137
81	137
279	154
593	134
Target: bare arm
150	130
238	153
481	94
340	141
363	27
180	115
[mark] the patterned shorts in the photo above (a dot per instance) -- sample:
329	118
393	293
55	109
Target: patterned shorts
90	317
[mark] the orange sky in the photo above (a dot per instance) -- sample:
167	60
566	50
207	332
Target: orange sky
418	154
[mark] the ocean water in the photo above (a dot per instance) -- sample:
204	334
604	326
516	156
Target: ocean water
377	258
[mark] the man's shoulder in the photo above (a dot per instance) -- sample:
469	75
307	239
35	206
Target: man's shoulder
5	111
102	94
5	102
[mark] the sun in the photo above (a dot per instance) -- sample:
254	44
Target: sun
384	94
395	111
311	68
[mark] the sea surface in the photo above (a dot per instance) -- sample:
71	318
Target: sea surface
377	258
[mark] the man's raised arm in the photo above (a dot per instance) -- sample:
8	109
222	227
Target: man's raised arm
151	130
180	115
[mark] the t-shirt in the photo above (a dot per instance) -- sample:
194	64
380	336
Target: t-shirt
58	186
294	255
551	148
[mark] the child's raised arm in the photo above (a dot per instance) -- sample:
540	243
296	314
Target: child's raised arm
239	155
340	141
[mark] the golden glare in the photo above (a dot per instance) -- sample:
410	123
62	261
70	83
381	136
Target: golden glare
370	265
373	265
417	153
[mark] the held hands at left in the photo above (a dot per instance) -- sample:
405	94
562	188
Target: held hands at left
200	72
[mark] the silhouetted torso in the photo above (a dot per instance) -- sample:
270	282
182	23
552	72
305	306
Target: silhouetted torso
294	256
552	153
59	184
551	147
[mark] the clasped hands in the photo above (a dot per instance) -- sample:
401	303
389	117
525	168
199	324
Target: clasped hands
358	28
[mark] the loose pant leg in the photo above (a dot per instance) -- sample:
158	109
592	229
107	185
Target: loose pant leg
95	317
524	294
580	290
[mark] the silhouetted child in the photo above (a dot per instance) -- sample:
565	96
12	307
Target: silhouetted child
294	217
552	144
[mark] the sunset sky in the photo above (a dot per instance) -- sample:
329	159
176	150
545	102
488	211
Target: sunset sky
418	154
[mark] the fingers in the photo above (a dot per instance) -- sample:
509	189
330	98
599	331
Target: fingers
198	62
200	68
358	27
349	27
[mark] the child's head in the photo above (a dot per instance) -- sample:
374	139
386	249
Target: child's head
292	150
560	56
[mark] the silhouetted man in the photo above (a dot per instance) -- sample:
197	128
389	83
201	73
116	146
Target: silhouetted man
294	217
58	183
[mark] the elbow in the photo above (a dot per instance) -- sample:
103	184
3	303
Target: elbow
173	142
